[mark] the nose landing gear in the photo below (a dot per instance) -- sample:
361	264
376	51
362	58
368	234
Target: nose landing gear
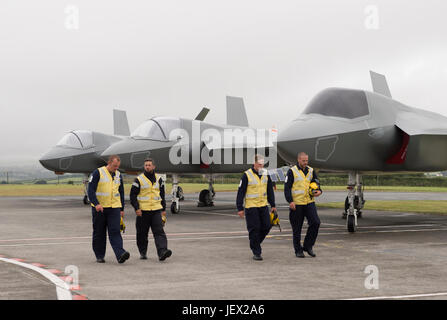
206	196
354	201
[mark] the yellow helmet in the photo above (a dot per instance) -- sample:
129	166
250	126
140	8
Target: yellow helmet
274	219
312	187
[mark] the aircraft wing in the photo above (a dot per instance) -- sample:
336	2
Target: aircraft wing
414	123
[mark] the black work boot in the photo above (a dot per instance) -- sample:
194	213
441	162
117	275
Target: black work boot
166	254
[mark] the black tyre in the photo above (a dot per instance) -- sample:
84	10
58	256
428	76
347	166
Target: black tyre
205	197
174	208
85	200
351	223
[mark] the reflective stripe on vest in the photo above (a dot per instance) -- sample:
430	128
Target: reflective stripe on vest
149	197
300	187
256	194
107	191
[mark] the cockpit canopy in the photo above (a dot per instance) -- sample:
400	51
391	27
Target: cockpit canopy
78	139
337	102
157	128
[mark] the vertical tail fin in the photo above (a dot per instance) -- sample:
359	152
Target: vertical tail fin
236	114
202	114
380	84
120	123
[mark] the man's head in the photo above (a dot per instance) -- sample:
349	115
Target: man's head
149	165
113	163
259	162
303	159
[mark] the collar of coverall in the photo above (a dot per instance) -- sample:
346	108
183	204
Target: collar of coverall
257	172
299	167
150	175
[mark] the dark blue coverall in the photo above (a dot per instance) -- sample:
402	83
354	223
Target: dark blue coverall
257	219
149	219
109	220
296	217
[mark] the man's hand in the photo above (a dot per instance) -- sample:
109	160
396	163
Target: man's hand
317	193
274	209
139	212
99	208
241	213
292	206
163	213
122	214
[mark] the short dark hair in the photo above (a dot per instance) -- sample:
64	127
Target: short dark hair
301	154
149	159
113	157
258	157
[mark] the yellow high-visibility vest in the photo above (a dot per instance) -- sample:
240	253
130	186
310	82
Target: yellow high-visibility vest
107	192
256	195
300	187
149	197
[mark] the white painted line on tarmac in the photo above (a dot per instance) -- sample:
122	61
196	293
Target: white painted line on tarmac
398	226
214	213
33	210
41	239
230	232
44	244
333	224
133	235
229	237
236	216
62	289
408	230
342	231
403	297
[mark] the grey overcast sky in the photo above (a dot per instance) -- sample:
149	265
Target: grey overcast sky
173	57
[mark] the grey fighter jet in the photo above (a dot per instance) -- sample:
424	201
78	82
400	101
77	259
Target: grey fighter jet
204	148
358	132
79	151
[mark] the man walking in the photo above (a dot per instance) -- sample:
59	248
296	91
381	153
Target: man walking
147	196
301	201
106	195
257	190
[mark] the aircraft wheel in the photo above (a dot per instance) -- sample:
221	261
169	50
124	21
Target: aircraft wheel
351	223
85	200
205	197
180	195
174	208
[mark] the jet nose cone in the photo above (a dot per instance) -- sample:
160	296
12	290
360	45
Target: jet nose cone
47	156
50	160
